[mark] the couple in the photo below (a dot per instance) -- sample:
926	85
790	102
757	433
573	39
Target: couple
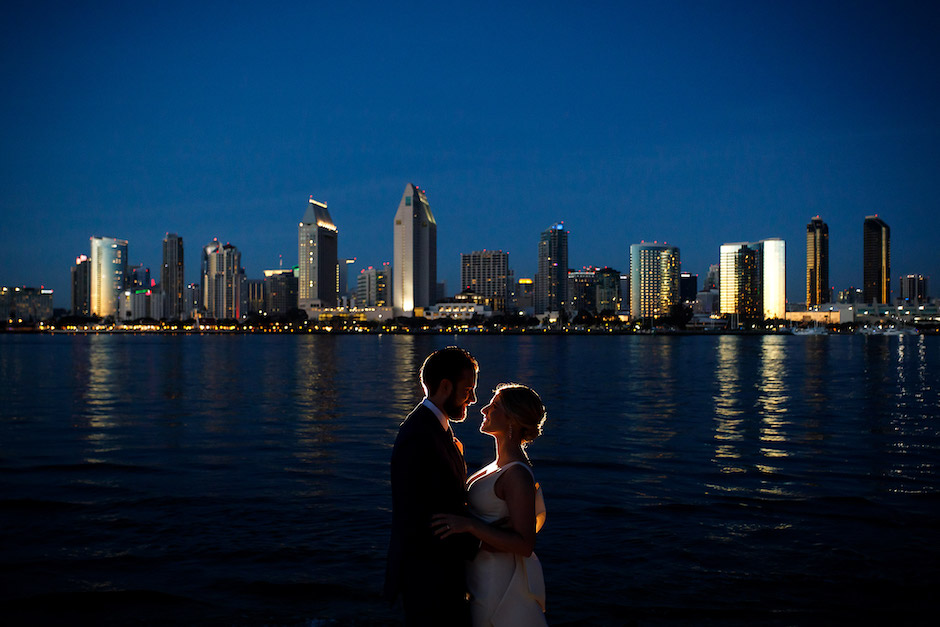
443	548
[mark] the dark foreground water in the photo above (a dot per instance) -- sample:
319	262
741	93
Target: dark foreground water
243	480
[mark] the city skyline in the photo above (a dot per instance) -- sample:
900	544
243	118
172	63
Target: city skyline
692	125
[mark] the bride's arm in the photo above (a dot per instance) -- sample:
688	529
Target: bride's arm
517	488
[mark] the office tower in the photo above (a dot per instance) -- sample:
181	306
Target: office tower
524	296
486	273
582	290
876	265
739	292
172	281
138	278
81	286
372	287
25	304
817	262
221	281
713	278
108	268
343	265
654	280
414	266
753	279
607	290
773	258
281	291
318	282
551	280
254	288
688	287
191	303
913	289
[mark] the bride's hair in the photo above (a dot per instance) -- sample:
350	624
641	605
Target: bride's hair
524	407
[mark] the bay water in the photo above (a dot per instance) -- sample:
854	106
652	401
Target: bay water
243	479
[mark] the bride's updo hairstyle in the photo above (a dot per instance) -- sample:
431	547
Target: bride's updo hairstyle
524	407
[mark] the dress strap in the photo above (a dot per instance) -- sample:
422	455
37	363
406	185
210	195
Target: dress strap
523	464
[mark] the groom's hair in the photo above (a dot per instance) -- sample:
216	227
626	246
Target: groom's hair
448	363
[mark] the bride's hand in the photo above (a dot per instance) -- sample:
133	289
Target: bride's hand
444	525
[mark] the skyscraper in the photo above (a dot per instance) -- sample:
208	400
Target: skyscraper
172	281
654	280
81	286
486	273
817	262
551	280
372	287
876	265
318	283
108	268
607	290
913	289
582	290
414	266
753	279
221	280
280	291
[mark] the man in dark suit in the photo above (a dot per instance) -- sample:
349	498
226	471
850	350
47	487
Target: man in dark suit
429	477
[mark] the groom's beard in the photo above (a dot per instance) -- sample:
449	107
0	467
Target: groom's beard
455	412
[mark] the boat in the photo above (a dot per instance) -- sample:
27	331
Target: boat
813	330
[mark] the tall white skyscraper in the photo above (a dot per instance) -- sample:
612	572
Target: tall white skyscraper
414	266
108	269
753	279
318	281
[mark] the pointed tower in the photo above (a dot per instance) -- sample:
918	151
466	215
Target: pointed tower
414	266
318	275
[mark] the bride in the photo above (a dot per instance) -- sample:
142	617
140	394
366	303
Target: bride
505	578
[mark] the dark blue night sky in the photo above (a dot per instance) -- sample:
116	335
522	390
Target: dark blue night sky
691	123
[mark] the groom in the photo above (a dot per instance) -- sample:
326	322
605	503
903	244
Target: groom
429	476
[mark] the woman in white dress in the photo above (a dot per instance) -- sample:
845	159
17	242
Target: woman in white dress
505	579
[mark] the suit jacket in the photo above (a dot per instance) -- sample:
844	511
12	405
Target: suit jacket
429	476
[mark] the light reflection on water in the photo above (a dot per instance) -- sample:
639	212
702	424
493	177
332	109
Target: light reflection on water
660	452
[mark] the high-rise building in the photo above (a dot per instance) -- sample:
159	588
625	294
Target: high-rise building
345	290
607	290
318	282
712	278
486	273
81	286
654	280
582	290
372	287
172	281
25	304
817	262
414	266
523	298
551	280
108	269
753	279
281	289
138	278
913	289
221	281
688	287
876	265
254	288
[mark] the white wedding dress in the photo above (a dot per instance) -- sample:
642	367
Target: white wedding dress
505	589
